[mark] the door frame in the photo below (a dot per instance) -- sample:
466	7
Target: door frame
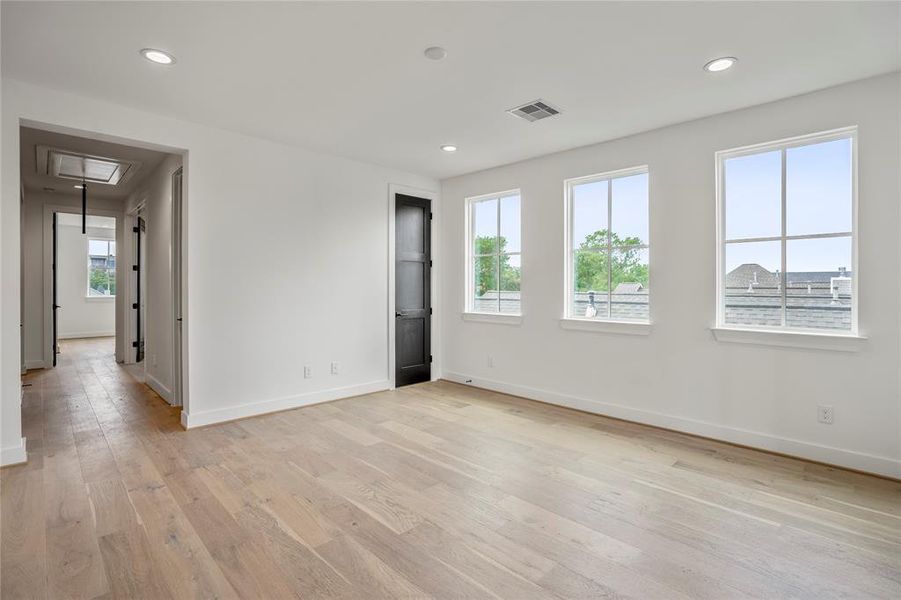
177	269
433	196
47	261
121	313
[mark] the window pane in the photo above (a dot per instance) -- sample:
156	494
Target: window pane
98	247
510	225
818	279
590	284
818	188
630	210
484	225
112	248
752	284
629	275
511	274
484	272
753	195
590	215
99	284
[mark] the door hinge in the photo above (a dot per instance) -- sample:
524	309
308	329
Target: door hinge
134	344
430	263
431	216
134	229
134	305
430	310
134	267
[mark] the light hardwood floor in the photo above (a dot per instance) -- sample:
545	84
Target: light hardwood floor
436	490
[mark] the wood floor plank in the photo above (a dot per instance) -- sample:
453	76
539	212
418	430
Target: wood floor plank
23	573
310	575
130	566
435	490
370	576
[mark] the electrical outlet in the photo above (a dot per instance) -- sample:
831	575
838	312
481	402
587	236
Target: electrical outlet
334	368
307	371
825	414
490	362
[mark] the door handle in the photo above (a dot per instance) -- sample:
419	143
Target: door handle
57	306
397	315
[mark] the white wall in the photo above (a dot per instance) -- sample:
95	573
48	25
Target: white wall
80	316
155	192
680	376
34	276
286	260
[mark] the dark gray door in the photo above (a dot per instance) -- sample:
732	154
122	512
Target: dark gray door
413	290
140	245
54	307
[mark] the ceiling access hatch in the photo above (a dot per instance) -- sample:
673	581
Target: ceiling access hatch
534	111
84	167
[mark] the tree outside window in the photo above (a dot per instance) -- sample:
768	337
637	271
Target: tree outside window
101	268
495	254
608	229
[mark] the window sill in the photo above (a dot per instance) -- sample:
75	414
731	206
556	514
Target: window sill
621	327
99	298
502	318
840	342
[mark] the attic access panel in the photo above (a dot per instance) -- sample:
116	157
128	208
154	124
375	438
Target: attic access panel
77	166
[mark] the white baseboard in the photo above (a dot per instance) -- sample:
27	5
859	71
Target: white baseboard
157	386
221	415
860	461
35	364
85	334
14	455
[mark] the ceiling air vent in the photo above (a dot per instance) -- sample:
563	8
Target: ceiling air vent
534	111
93	169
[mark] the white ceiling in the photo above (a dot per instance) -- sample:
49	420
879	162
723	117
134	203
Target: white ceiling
350	79
30	138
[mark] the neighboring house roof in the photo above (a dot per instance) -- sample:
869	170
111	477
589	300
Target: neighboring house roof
810	301
750	274
815	276
628	288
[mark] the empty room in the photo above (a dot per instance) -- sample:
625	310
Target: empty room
500	300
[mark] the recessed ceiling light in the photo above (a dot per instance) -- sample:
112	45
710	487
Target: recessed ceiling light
157	56
449	148
720	64
435	53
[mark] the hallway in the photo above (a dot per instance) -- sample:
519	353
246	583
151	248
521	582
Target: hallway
436	490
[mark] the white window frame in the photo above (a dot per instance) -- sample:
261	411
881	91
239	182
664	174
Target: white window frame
603	324
784	335
87	252
469	312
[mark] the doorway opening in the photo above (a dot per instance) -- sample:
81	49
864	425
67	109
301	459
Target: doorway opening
83	268
103	265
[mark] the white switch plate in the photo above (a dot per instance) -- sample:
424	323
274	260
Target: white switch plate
334	368
307	371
